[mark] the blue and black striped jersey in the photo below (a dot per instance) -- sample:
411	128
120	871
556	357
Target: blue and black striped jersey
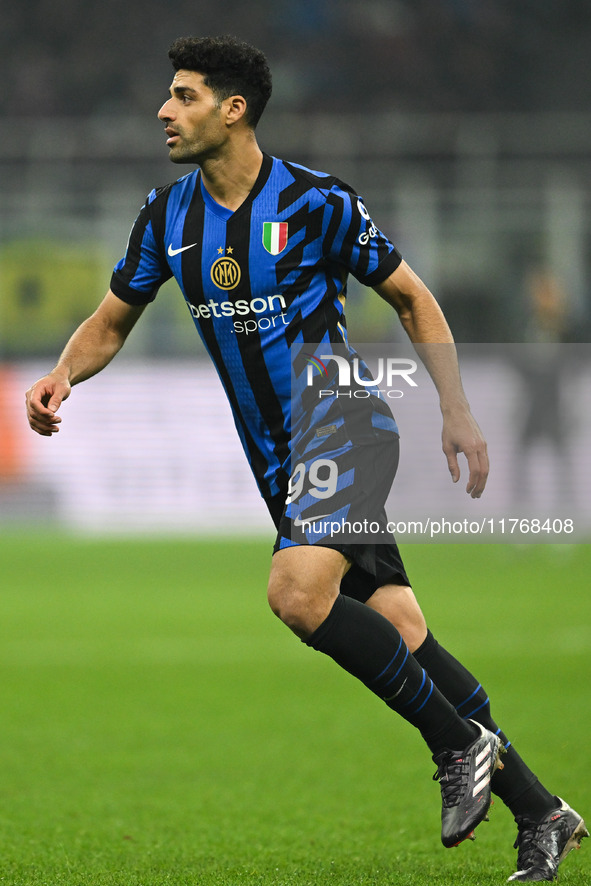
258	281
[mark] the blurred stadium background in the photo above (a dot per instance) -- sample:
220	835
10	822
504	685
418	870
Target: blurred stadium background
147	732
465	126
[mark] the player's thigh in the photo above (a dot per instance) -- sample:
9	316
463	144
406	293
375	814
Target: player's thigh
304	583
400	606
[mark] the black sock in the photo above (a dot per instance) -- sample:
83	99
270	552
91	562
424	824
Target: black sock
370	648
515	784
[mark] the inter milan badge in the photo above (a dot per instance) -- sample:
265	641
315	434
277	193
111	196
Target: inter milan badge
225	272
274	237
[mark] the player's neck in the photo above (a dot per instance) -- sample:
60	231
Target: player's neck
230	177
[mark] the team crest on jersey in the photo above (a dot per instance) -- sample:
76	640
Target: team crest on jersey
274	237
226	273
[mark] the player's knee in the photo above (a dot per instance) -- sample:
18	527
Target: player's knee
297	606
412	629
289	604
399	605
275	596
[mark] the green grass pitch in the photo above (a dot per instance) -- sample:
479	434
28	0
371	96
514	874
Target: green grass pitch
159	726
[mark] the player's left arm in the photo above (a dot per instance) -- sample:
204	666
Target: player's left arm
426	326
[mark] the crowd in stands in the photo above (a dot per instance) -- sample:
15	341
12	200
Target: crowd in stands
72	58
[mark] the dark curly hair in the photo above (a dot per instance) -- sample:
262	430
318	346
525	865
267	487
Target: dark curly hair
229	67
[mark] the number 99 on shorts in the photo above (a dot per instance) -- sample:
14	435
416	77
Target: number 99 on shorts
320	482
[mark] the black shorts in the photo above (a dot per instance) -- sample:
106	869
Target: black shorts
375	559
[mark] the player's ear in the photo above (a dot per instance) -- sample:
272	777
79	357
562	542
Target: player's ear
235	107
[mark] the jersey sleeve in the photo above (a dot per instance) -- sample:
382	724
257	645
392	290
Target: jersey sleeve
353	240
143	269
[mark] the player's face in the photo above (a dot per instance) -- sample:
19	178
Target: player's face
193	119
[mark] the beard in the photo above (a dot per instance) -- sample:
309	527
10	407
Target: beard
197	147
181	153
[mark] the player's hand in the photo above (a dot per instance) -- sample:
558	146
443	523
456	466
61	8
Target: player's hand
462	434
43	400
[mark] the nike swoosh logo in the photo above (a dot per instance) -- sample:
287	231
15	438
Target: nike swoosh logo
299	522
396	694
172	252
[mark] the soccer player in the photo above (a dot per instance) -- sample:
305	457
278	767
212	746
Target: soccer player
261	249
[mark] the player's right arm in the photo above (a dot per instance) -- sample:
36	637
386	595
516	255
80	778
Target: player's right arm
90	349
